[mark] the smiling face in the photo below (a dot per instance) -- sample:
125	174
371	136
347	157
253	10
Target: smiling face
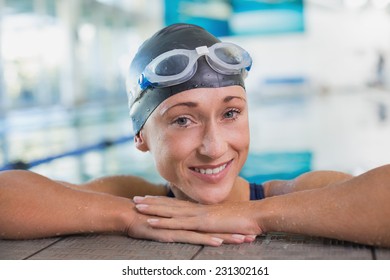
199	140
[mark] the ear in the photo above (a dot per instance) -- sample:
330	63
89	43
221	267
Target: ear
140	142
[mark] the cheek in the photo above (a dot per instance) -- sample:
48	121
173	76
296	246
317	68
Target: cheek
240	140
239	135
170	152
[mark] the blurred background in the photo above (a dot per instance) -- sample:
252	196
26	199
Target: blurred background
319	88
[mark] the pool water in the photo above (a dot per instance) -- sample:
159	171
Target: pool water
262	167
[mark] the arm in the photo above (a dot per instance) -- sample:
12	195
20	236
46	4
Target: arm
355	210
33	206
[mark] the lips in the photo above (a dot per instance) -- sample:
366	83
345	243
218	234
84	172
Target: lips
210	171
211	174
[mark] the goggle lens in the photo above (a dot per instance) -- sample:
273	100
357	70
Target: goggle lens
172	65
229	55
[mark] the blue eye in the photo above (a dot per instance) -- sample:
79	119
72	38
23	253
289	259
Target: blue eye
182	121
231	114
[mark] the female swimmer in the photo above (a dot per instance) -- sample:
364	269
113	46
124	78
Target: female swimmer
189	110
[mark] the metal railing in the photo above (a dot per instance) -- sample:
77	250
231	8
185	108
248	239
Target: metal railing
77	152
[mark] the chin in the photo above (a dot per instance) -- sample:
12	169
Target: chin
211	199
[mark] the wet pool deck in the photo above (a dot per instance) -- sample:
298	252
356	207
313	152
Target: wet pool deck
274	246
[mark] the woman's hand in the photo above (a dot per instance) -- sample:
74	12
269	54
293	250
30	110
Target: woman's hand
235	218
140	227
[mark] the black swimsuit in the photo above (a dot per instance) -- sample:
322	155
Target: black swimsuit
256	192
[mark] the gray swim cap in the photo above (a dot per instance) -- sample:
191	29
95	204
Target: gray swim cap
176	36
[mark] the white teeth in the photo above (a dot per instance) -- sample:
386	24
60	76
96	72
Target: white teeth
210	171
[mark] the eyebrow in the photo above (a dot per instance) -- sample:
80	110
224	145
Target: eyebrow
191	104
229	98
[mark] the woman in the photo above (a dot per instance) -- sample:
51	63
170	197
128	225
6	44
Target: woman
189	110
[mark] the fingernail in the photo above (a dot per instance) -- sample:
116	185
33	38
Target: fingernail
141	206
138	198
238	237
218	241
251	238
153	221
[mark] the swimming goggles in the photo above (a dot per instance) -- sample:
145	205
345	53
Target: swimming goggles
179	65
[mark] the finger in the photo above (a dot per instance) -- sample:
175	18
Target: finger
180	223
250	238
183	236
160	200
187	237
205	224
231	238
166	211
143	230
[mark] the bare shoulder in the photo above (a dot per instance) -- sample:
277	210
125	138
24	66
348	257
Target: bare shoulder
305	181
124	185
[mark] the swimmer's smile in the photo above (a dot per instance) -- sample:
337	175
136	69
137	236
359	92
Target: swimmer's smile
211	173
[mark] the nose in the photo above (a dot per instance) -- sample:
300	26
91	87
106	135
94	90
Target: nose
214	143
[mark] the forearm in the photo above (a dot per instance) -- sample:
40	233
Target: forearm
34	206
355	210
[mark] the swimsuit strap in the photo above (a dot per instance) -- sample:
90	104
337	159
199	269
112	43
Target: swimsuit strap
170	193
256	191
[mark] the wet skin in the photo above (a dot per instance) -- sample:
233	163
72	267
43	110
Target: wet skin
199	140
